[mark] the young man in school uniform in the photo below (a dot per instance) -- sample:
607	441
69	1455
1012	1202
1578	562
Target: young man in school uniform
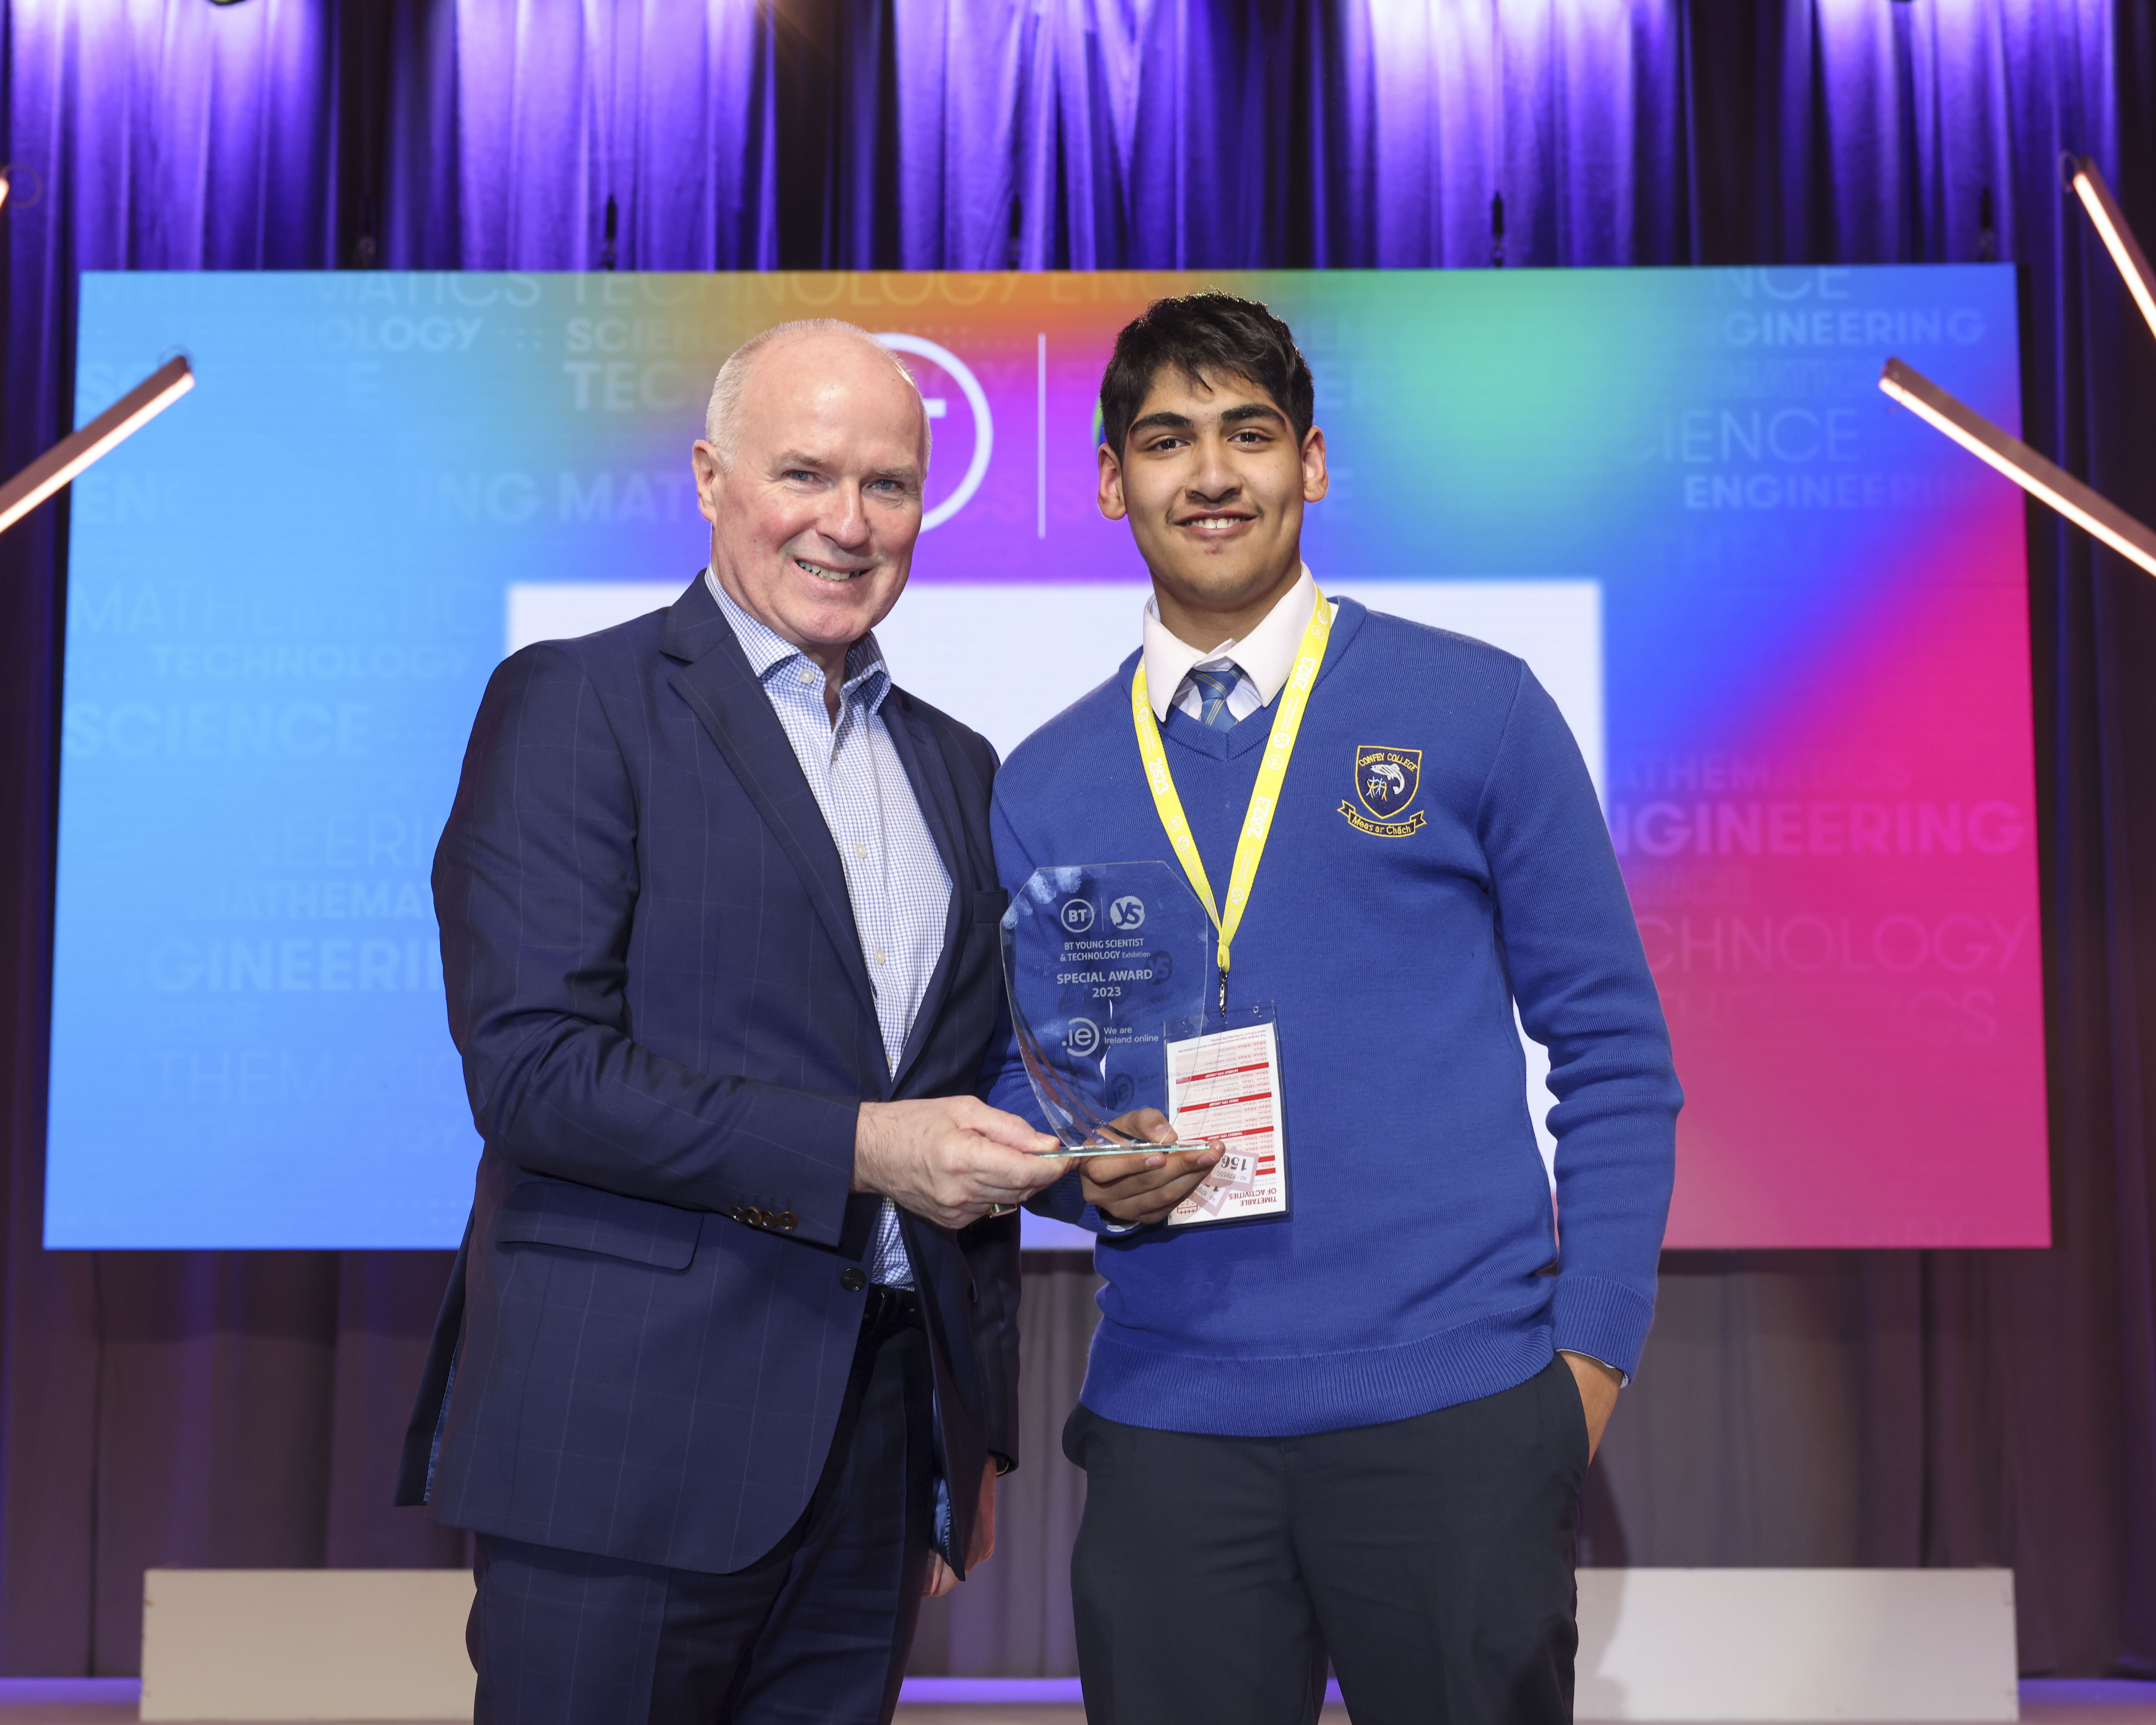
1352	1424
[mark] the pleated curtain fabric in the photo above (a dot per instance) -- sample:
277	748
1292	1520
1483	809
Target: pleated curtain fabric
1798	1408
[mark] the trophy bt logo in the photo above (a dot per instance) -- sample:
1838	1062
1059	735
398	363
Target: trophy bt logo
1126	913
1077	916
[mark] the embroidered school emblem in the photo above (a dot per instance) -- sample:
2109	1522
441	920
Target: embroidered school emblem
1387	782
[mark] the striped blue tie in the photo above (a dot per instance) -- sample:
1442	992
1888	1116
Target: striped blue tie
1214	689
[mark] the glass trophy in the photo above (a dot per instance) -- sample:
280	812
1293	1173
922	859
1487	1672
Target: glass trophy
1097	958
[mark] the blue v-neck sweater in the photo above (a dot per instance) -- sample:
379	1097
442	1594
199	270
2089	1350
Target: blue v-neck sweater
1421	1265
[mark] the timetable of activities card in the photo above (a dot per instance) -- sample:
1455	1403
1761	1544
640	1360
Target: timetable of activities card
1225	1086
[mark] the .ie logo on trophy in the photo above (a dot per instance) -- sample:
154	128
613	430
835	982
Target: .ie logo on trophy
1126	913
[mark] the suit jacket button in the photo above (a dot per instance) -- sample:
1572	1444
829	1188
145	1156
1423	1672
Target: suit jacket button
787	1221
853	1279
739	1213
756	1217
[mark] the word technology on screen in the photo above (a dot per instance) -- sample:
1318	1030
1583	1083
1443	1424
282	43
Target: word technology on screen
1787	622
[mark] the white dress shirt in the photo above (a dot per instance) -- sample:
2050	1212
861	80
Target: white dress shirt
900	890
1265	656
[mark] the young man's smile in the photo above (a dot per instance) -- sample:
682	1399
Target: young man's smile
1216	526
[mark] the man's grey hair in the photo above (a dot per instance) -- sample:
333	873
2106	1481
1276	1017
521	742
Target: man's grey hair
723	418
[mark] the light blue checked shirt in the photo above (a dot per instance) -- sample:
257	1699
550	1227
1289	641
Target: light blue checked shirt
900	889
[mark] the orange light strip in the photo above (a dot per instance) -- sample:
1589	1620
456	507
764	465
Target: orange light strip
2038	478
2117	238
77	450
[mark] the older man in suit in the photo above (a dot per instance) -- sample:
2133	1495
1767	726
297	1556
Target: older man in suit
727	1367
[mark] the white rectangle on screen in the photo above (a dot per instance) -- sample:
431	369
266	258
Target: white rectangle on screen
1006	657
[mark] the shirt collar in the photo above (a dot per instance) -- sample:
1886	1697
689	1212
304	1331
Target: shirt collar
868	679
1266	655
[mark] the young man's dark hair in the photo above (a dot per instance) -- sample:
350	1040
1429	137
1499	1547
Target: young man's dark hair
1198	333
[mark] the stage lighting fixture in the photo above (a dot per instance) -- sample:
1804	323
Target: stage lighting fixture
2103	210
3	188
77	450
2040	479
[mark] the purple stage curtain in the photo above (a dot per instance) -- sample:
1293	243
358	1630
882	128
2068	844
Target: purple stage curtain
517	122
1106	134
1804	1408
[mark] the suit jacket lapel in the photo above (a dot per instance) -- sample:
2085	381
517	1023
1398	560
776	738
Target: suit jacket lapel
724	694
930	776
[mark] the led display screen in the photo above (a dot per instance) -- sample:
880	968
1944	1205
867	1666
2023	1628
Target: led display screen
1787	622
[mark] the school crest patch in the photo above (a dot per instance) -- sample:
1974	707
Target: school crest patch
1387	782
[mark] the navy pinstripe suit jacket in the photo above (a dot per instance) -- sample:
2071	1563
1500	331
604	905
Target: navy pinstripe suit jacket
667	1030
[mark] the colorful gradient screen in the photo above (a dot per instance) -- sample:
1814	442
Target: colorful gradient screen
1788	624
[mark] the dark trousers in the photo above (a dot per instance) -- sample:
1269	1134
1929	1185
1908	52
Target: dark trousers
815	1631
1431	1559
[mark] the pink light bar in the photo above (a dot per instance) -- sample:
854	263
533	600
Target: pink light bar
2038	478
2117	238
77	450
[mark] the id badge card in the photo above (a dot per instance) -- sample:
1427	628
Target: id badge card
1224	1083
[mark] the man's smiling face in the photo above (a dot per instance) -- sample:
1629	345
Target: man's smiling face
1213	479
814	522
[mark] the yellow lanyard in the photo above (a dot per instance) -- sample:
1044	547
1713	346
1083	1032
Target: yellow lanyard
1264	794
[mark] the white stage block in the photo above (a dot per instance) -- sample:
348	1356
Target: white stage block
305	1643
1797	1645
